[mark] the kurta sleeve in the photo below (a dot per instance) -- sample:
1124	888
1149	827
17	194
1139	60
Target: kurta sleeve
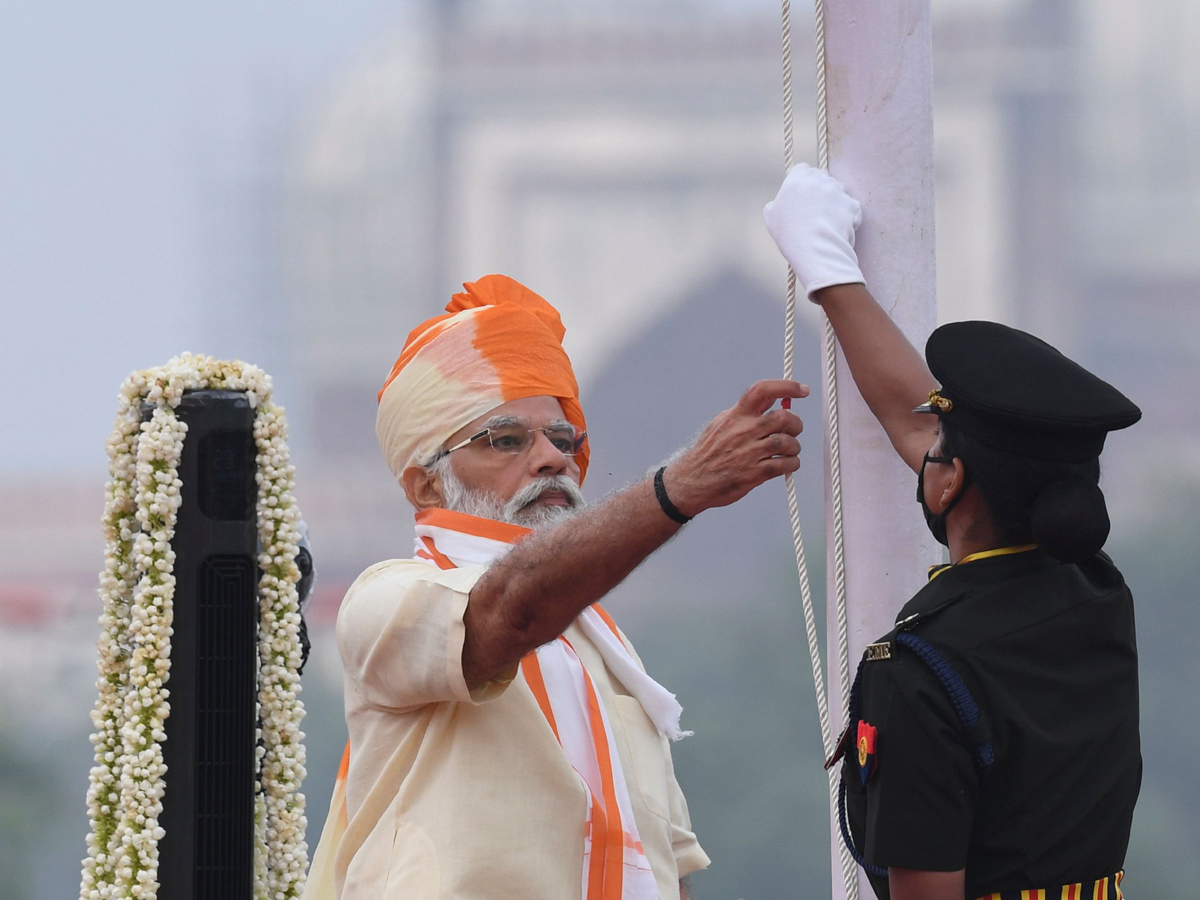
400	633
922	794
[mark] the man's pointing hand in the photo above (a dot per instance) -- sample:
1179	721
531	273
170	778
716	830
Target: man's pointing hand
738	450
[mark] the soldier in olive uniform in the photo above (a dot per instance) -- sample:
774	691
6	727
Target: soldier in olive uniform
992	746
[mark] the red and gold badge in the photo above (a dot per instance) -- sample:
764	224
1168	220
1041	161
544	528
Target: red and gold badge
867	758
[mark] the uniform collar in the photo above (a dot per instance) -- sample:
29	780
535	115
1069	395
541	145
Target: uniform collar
977	571
935	571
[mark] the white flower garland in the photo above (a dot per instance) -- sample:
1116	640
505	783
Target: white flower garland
137	587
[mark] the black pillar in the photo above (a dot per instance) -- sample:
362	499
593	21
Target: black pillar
207	852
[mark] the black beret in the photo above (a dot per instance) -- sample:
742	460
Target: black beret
1016	393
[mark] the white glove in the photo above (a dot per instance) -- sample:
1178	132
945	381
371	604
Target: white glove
812	219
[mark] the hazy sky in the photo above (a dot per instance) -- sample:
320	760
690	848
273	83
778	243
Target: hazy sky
116	116
120	123
118	119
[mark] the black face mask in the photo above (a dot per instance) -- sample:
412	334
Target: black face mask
935	522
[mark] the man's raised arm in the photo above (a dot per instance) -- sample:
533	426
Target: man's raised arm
533	593
813	221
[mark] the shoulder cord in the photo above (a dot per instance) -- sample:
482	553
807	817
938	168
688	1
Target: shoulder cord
965	707
849	876
956	689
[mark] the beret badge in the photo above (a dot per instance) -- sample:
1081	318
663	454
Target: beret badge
940	403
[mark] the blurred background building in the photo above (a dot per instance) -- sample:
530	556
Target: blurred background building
615	157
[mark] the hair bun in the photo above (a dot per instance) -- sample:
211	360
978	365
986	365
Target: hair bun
1069	519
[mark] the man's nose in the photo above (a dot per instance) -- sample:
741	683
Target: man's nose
544	458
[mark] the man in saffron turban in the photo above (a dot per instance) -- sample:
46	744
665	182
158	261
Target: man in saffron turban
505	739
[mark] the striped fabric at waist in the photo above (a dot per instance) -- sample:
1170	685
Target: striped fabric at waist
1104	889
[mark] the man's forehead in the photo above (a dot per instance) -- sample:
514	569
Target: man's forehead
539	411
506	419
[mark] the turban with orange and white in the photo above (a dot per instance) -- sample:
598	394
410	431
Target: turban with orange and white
498	341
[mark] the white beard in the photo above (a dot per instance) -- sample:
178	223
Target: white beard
520	510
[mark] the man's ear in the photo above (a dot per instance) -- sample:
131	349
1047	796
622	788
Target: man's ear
423	488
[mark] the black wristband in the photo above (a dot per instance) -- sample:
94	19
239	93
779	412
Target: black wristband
660	491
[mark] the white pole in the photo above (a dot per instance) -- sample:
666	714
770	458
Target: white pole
880	136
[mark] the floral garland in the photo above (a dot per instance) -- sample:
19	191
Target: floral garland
137	588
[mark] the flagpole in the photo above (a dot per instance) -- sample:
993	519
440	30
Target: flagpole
879	120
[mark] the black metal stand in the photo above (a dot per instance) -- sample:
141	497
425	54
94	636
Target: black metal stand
208	810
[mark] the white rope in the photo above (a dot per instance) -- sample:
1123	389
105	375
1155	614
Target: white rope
849	868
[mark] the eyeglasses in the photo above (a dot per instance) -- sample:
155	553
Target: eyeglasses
514	440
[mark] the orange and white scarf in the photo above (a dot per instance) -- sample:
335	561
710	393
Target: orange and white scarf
614	864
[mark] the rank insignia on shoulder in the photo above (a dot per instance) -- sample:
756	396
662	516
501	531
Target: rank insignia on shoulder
876	652
867	757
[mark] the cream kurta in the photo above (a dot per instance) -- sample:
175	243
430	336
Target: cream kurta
458	796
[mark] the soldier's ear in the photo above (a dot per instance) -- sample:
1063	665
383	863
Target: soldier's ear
423	488
955	485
